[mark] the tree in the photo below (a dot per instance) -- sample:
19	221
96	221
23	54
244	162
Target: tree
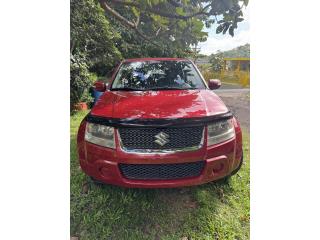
175	20
93	44
91	34
105	31
241	51
217	62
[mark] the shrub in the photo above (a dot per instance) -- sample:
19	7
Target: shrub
217	62
80	81
209	74
93	47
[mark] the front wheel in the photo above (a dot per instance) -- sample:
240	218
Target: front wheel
96	182
238	168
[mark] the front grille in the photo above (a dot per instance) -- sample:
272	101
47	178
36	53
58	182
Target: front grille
161	171
145	138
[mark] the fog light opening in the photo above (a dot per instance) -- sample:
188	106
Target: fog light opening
218	168
104	171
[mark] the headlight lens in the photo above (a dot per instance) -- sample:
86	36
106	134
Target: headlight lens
220	131
100	135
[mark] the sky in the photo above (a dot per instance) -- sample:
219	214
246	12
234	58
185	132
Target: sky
225	42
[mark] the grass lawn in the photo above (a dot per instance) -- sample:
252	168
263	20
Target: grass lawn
210	211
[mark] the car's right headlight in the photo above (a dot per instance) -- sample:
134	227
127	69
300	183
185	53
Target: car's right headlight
100	134
220	131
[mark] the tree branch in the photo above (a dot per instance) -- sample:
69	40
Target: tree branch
157	33
126	22
137	21
72	45
134	24
168	29
174	3
123	20
161	13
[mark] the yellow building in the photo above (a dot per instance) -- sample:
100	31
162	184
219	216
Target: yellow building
237	68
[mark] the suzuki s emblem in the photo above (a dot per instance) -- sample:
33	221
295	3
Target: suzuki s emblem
161	138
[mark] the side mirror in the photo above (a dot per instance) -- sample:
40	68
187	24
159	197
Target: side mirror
214	84
99	86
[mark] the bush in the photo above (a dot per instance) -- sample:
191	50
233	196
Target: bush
93	48
209	74
80	81
217	62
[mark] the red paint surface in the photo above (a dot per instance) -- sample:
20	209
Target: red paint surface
159	104
99	86
102	163
214	84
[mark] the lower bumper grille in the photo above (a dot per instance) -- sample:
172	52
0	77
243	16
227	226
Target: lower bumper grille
161	171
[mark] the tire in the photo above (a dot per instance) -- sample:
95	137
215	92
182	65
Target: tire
224	180
96	182
238	168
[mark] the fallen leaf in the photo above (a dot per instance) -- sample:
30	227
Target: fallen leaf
221	193
244	218
85	188
190	204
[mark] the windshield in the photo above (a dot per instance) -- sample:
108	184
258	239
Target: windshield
157	75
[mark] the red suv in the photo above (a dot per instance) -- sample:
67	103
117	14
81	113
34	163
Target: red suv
159	125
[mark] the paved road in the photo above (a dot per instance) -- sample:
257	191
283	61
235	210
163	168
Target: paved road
230	86
235	91
238	101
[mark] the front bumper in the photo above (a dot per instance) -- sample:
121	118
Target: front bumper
103	163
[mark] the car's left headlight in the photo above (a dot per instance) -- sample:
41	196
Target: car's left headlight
220	131
100	135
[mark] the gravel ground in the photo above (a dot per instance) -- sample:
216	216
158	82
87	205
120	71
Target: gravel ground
238	101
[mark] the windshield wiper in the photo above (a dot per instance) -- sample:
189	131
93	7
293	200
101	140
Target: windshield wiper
171	88
127	89
151	89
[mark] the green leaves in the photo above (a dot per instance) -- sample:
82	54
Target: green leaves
93	47
135	11
231	31
169	14
100	40
220	6
230	18
219	29
225	26
180	11
217	62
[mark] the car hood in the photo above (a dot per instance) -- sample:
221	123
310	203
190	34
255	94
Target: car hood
159	104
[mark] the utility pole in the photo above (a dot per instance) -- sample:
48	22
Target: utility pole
195	52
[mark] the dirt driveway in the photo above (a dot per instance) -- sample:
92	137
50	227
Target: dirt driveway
238	101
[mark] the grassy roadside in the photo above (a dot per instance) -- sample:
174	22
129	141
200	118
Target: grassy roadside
210	211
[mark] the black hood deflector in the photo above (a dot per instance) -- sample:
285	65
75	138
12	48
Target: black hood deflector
171	122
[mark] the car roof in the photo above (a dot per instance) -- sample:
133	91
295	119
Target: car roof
155	59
